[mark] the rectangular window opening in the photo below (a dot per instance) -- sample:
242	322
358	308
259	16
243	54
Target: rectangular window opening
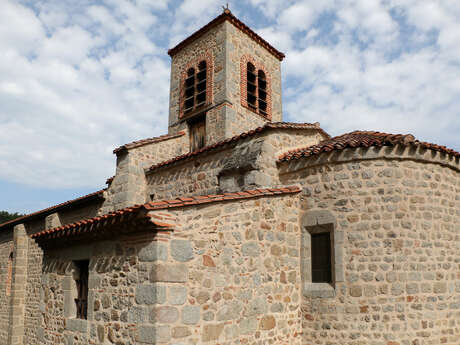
81	282
321	267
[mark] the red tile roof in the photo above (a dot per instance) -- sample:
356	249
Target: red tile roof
129	214
205	199
42	213
362	139
267	126
139	212
142	142
227	15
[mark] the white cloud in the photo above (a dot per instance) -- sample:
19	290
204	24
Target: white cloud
80	78
69	97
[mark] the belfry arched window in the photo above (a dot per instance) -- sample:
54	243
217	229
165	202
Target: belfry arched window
262	92
255	88
195	87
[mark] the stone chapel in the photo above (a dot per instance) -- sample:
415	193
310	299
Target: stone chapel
238	228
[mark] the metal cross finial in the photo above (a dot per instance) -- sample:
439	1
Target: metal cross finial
225	8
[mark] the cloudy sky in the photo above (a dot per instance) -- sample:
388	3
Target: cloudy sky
79	78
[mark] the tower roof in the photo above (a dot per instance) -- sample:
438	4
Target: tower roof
227	15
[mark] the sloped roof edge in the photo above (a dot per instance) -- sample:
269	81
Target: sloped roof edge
152	140
88	225
362	139
258	130
55	208
227	15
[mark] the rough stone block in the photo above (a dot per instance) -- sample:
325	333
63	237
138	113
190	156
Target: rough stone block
170	273
52	221
150	294
318	290
177	295
356	291
94	282
250	249
180	332
256	306
100	333
164	314
212	332
229	311
77	325
267	322
190	315
181	250
248	325
153	251
153	334
317	217
136	314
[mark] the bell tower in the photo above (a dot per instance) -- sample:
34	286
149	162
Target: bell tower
225	80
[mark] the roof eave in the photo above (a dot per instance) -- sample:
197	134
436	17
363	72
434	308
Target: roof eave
47	211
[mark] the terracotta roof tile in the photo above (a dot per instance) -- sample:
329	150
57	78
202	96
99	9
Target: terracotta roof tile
136	212
88	225
204	199
55	208
362	139
142	142
253	132
227	15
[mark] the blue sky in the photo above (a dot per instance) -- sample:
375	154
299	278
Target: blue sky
79	78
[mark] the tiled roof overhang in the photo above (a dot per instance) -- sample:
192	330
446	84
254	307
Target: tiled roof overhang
221	144
362	139
96	196
227	15
147	141
137	217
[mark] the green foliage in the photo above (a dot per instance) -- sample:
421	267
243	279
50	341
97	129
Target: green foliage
6	216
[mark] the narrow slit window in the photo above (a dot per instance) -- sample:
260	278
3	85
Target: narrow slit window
321	268
81	281
10	274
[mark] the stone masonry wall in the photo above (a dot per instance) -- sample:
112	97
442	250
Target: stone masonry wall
32	299
251	162
6	247
114	274
187	178
128	186
228	275
401	256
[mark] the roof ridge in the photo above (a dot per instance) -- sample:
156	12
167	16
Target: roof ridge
361	138
252	132
53	208
146	141
227	15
